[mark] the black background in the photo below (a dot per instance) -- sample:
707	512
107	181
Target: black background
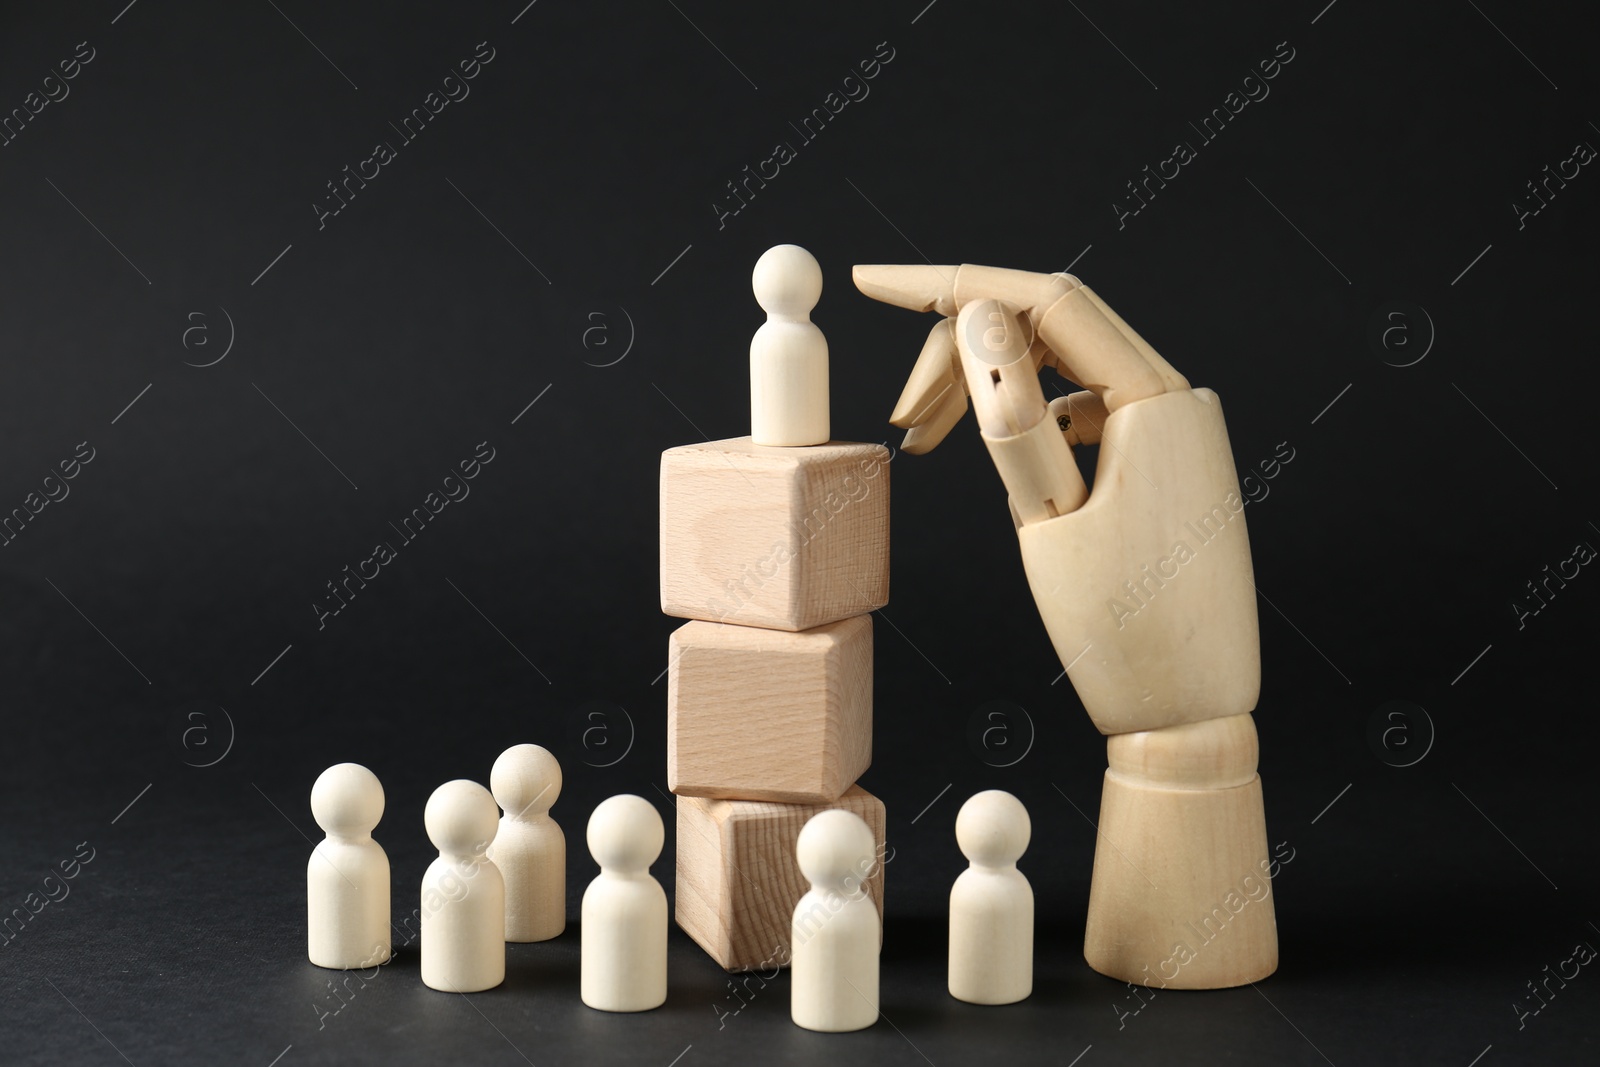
141	613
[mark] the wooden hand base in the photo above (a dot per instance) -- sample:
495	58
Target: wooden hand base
1181	896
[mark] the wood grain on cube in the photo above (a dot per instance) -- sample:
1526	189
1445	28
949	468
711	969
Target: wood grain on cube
738	880
781	538
768	715
758	714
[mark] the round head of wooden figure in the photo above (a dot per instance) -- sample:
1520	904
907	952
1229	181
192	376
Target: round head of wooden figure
347	800
836	851
461	818
787	282
993	828
526	780
626	834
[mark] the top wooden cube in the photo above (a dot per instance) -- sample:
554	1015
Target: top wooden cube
782	538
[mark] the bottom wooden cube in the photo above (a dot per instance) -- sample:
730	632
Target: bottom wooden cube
738	882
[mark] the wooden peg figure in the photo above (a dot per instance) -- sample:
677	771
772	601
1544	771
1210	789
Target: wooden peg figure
529	848
463	894
347	879
836	933
624	937
991	904
788	354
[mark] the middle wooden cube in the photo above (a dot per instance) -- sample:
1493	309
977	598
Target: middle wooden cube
757	714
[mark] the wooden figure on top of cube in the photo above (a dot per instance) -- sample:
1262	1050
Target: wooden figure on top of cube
784	529
788	355
1144	587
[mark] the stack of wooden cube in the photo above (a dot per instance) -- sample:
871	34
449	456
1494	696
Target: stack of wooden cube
778	555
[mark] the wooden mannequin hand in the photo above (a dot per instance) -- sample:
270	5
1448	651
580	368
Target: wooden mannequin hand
1145	587
1065	324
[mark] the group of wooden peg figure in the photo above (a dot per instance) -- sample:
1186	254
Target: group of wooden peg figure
501	876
